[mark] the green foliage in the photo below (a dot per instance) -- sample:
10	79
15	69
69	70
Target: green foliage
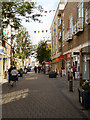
43	53
22	46
11	10
52	71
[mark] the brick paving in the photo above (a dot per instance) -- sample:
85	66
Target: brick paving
38	96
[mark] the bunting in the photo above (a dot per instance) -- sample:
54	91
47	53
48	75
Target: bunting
33	47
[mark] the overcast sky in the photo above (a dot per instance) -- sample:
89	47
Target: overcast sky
46	21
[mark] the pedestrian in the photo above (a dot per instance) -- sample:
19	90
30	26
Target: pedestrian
39	69
9	73
35	69
14	75
74	70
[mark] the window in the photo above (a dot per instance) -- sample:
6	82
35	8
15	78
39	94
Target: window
86	15
63	33
71	24
80	10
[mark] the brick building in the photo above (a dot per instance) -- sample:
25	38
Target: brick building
75	38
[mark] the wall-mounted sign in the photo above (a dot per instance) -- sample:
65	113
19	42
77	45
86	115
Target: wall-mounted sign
57	59
61	56
1	50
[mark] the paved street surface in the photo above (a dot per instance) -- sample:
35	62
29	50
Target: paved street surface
38	96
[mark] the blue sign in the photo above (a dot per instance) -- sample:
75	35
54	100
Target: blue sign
20	60
1	50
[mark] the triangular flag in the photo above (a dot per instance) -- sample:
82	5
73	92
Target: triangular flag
46	30
42	30
76	28
27	32
45	11
59	30
54	30
23	32
38	31
34	31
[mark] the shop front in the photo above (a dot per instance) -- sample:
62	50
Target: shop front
67	62
57	65
85	66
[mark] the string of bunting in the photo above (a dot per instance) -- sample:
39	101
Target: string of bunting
35	47
43	31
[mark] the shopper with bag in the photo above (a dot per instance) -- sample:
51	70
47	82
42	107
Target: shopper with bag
14	75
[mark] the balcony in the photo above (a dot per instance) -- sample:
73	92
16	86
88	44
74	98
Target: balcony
60	36
78	27
68	36
59	23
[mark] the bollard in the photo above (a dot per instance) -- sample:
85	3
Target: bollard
68	76
70	85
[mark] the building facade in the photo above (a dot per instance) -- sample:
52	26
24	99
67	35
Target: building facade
75	26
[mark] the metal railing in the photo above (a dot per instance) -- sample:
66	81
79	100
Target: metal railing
68	35
60	36
78	26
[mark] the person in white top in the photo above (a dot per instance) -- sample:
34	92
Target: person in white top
14	75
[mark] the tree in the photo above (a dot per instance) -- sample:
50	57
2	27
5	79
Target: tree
11	10
43	52
22	45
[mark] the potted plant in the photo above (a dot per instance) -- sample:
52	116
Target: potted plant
52	74
84	94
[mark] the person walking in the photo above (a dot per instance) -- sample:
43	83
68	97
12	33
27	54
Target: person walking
35	69
9	73
74	70
14	76
39	69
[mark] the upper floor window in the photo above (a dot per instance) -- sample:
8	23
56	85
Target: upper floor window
71	23
59	21
87	14
80	10
63	33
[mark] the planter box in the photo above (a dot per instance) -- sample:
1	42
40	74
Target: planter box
52	75
84	98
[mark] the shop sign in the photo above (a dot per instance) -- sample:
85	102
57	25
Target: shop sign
1	50
67	55
61	56
57	59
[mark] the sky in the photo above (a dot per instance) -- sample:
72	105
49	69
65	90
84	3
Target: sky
46	21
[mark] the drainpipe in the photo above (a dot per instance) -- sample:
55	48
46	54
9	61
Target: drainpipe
71	79
81	67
